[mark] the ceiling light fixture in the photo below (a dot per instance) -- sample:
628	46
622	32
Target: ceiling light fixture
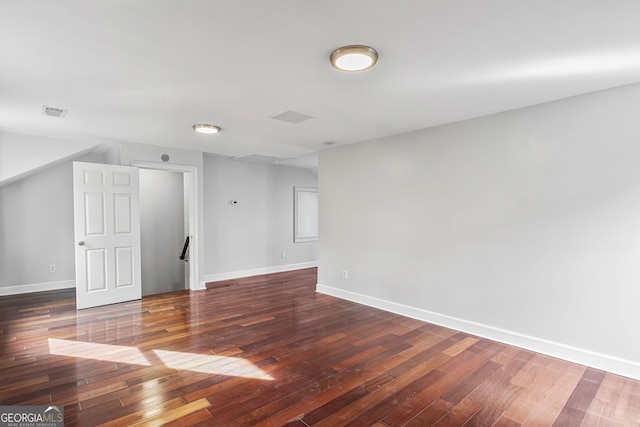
204	128
354	58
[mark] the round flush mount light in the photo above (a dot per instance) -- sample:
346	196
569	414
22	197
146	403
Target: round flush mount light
354	58
204	128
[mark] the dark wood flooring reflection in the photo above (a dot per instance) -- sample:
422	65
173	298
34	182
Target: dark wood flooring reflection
268	350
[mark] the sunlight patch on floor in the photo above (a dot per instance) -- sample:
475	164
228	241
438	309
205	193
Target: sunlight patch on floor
203	363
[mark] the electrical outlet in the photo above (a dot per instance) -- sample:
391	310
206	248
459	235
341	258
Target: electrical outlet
52	268
345	274
283	254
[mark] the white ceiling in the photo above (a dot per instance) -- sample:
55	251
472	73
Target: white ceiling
146	70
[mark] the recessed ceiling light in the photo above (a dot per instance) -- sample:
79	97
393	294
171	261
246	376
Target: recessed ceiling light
204	128
354	58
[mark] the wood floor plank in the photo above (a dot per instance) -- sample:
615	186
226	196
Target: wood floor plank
11	388
627	408
456	394
201	417
498	390
599	413
460	346
503	421
581	398
269	350
459	414
164	417
340	391
534	379
431	414
145	414
455	372
556	396
424	372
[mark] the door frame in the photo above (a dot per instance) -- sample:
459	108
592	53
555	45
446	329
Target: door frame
191	190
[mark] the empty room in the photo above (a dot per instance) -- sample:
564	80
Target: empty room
326	213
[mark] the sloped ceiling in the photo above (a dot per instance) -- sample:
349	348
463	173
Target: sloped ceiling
23	155
145	71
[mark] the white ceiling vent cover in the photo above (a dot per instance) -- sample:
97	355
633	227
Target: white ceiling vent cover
292	117
53	111
260	158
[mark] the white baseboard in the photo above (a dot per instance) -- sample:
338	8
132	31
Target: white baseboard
37	287
197	285
258	271
581	356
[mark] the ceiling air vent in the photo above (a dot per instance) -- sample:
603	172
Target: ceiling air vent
292	117
260	158
53	111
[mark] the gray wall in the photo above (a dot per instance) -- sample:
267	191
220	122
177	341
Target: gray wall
252	234
36	227
36	221
162	231
523	225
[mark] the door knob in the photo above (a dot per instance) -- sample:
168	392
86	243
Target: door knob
81	243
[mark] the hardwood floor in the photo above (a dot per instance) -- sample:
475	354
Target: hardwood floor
268	350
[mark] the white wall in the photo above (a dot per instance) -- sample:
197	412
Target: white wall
522	226
22	155
36	230
249	238
162	231
36	219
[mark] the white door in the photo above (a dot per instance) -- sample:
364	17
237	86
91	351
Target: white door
107	234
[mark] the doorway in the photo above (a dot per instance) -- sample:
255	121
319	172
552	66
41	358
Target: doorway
189	206
162	231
